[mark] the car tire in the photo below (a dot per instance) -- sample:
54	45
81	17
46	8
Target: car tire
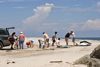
1	45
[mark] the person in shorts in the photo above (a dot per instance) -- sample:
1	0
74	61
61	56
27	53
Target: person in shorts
46	39
54	38
12	39
73	38
66	38
17	43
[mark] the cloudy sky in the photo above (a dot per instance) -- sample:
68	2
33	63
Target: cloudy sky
36	16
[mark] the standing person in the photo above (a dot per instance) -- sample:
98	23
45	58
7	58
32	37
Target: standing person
12	40
46	39
21	40
66	38
17	43
54	38
73	38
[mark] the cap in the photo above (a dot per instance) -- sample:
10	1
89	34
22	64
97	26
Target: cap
31	41
21	32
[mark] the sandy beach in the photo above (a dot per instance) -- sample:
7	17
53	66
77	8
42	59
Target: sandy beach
35	57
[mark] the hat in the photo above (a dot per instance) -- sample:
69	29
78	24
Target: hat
21	32
31	41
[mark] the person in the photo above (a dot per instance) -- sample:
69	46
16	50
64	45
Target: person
46	39
66	38
40	43
21	39
12	40
30	43
58	42
16	43
73	38
54	38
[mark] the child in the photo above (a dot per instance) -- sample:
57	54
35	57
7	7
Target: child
58	42
16	43
30	43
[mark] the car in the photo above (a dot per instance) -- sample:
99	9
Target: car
4	35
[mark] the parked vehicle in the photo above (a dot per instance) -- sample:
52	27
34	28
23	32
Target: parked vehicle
4	35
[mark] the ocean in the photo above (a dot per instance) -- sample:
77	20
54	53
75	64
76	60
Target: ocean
88	38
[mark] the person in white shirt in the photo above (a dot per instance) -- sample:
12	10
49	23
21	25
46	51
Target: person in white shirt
58	42
73	38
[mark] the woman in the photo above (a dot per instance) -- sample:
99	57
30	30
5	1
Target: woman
21	39
73	38
12	40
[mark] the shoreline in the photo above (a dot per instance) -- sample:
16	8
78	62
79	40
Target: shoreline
75	39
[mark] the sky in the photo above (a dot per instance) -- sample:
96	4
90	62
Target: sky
33	17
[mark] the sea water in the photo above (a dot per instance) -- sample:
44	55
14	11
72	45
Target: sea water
88	38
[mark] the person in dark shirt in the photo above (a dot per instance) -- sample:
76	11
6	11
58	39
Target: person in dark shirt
54	38
66	37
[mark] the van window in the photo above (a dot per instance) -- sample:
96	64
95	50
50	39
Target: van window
3	32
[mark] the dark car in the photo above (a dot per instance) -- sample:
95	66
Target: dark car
4	35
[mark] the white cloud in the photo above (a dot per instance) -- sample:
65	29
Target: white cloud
73	26
98	4
91	25
88	25
1	1
48	26
59	7
92	8
35	21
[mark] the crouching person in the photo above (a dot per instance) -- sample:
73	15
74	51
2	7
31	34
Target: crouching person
30	44
58	43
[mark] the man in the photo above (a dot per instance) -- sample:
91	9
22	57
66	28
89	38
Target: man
46	39
73	38
54	38
66	38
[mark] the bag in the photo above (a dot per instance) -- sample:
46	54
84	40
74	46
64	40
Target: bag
12	40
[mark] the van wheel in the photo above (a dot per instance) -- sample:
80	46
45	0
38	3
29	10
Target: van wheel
1	45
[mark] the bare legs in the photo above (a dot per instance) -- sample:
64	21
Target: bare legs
53	43
47	43
67	43
74	43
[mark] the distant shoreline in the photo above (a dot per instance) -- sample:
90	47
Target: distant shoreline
80	38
